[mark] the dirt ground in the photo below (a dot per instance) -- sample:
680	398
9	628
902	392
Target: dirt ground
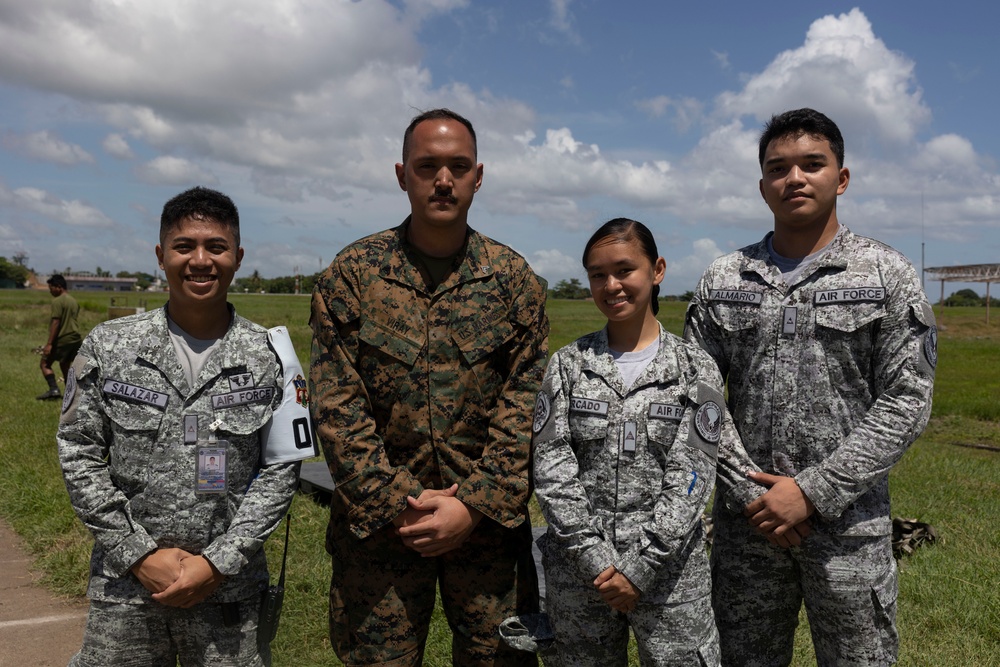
37	629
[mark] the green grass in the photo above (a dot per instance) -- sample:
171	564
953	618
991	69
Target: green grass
949	606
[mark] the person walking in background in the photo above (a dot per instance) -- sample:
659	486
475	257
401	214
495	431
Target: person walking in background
429	342
627	430
828	345
64	336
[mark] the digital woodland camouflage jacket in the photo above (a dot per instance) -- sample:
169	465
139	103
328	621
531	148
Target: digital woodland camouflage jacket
416	389
130	471
830	379
624	475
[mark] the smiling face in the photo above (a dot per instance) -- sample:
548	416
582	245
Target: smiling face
441	175
801	182
622	279
199	258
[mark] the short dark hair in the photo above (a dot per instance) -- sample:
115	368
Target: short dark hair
624	229
200	204
56	280
797	123
437	114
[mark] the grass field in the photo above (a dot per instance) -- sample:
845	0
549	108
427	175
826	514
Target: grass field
949	608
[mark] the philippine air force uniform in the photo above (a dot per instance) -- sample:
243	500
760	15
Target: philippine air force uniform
623	476
150	461
830	379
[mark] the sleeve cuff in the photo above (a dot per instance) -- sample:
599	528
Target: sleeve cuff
740	495
121	559
597	559
638	571
381	507
821	493
492	501
226	558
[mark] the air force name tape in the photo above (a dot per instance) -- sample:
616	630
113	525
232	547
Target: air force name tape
849	295
289	435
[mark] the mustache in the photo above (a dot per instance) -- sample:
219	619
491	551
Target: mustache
443	195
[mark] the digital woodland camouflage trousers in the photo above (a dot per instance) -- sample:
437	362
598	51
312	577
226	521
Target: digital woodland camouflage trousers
382	596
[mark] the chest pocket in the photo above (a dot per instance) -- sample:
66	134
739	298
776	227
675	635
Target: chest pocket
737	317
848	317
484	340
383	337
134	427
245	419
585	427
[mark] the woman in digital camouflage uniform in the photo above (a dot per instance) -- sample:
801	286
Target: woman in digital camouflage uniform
626	434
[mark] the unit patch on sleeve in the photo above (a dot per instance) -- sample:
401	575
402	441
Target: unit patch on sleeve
930	347
543	409
708	421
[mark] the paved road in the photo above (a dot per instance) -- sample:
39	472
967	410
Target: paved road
37	629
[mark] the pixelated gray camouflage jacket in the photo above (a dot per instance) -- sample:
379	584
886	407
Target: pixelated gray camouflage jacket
415	389
130	472
830	379
623	475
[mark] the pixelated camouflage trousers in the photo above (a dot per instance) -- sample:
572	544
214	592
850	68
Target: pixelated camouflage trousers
848	583
154	635
382	596
589	632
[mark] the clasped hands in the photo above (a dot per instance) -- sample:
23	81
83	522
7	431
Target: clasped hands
176	577
436	522
781	513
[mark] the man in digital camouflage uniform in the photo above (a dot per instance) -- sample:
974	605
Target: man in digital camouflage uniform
828	345
178	564
429	342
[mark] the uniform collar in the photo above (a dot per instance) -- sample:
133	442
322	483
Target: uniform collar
158	350
474	261
757	260
662	369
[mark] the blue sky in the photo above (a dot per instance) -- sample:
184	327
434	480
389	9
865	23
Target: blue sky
585	109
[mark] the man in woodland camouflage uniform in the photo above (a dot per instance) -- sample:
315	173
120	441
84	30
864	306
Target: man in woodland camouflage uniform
429	342
828	345
178	564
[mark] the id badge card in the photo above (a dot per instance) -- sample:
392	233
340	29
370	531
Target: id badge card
210	475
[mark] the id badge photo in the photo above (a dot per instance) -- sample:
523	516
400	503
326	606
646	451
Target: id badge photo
211	472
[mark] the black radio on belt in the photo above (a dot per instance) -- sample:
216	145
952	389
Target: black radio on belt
271	601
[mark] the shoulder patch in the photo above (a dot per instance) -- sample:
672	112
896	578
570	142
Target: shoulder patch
543	410
70	390
708	421
930	347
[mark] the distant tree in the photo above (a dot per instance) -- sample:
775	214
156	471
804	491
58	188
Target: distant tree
13	271
281	285
570	289
20	258
964	297
687	296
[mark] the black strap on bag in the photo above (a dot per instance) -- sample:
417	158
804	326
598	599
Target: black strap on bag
272	599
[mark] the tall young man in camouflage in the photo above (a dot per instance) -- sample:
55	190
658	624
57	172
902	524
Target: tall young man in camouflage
64	336
178	563
429	343
829	346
